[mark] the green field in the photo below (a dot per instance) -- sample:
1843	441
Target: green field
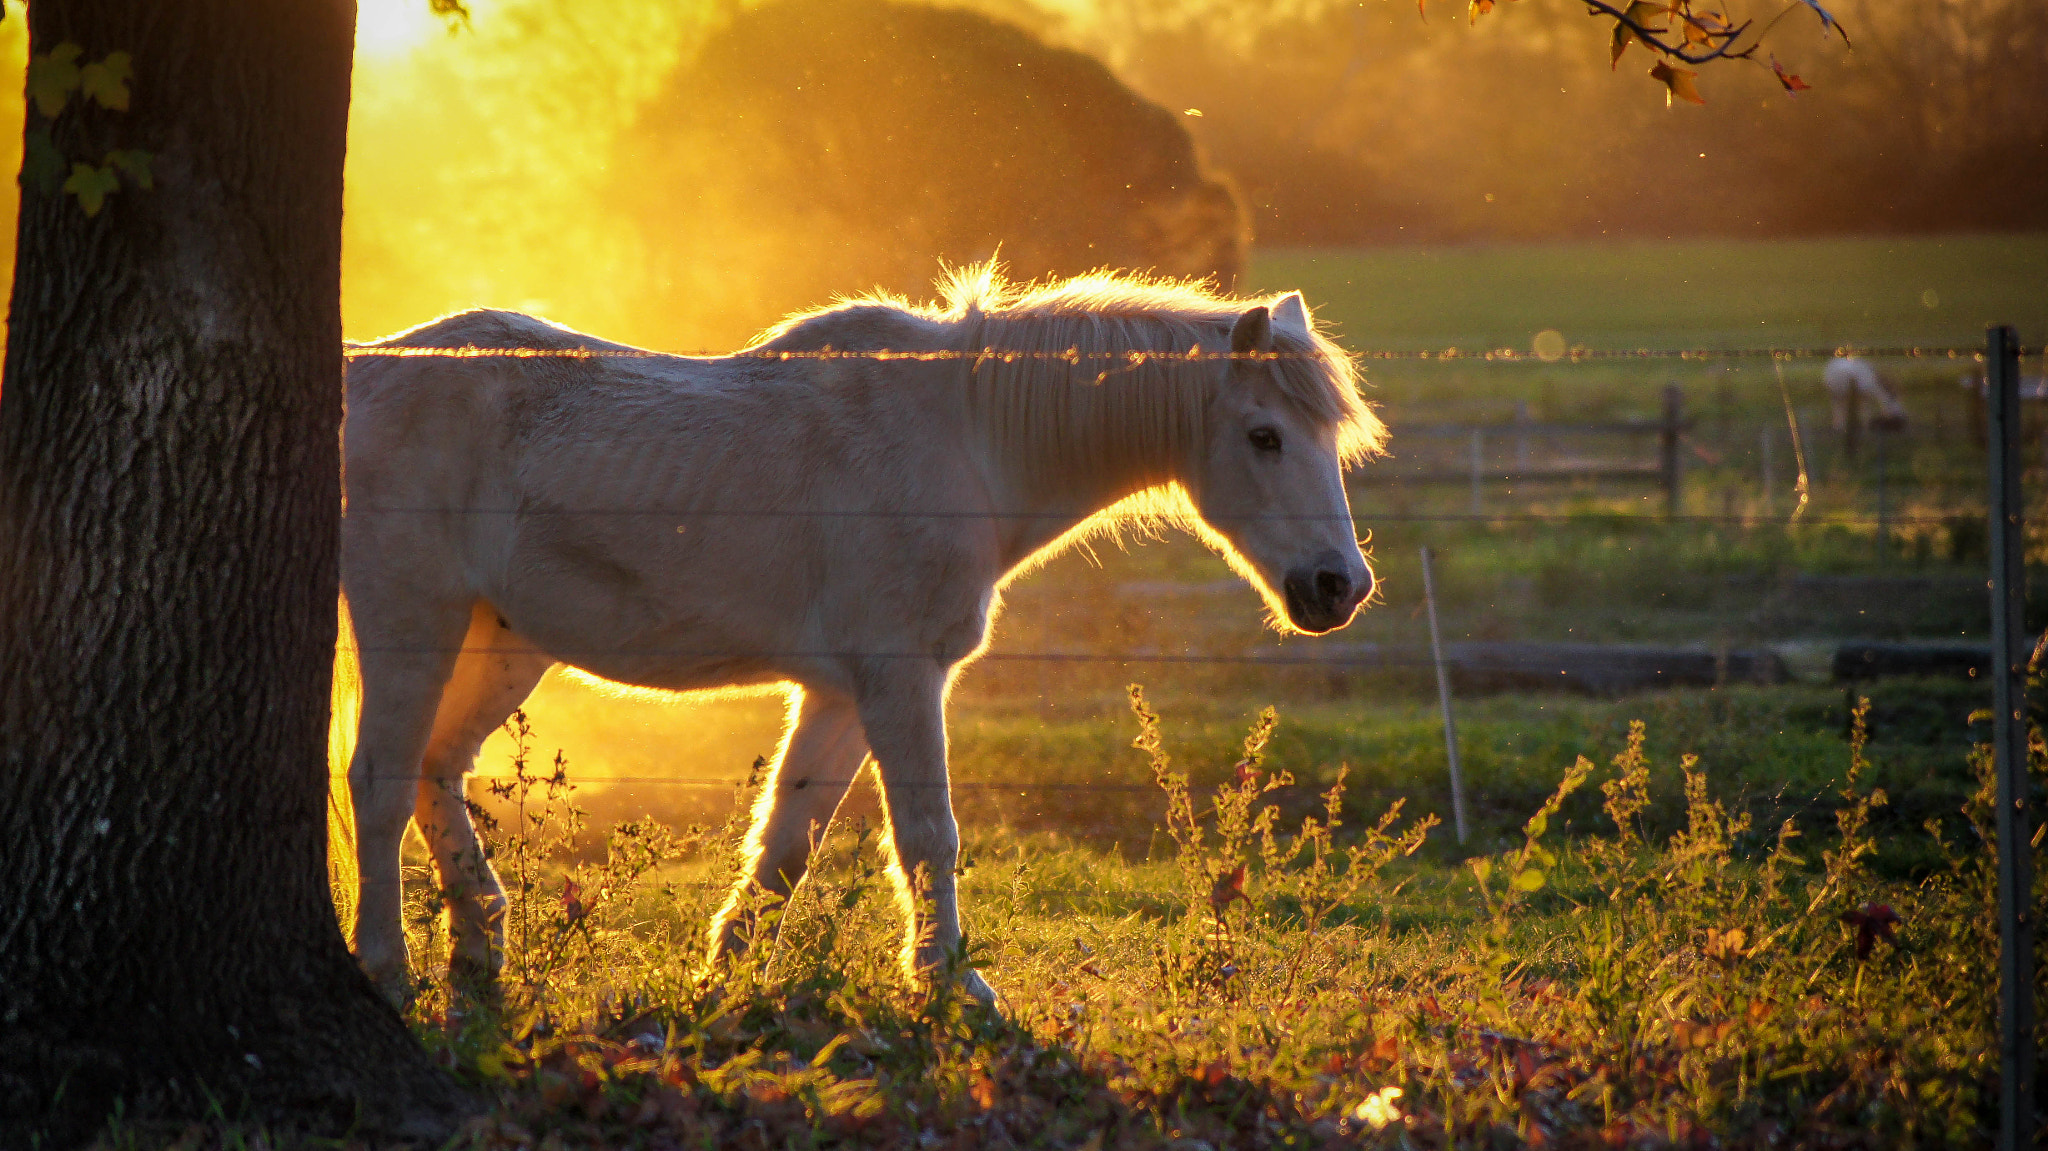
1675	294
1691	975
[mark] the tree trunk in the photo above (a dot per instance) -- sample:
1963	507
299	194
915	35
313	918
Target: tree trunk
169	505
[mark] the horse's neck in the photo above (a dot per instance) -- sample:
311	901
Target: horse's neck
1036	507
1061	448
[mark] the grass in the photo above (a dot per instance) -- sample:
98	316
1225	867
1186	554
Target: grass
1629	956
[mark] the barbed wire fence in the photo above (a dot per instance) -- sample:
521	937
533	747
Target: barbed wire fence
1482	475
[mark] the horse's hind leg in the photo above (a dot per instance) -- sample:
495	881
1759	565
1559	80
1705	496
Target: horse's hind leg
495	673
814	767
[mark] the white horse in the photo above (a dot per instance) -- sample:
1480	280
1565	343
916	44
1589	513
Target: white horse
841	522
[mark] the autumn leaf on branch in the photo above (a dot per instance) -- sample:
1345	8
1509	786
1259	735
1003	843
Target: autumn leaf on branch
1791	82
1677	82
1702	27
1828	23
1698	37
1640	15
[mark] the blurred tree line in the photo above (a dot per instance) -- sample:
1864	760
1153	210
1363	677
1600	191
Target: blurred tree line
1348	123
519	161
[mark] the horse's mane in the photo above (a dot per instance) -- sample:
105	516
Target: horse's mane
1070	413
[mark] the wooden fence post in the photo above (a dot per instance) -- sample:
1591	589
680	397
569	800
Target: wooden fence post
1674	423
2015	822
1443	696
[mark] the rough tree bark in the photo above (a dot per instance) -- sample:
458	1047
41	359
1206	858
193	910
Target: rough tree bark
169	503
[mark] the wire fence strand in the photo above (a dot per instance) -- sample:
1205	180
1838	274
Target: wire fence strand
1075	356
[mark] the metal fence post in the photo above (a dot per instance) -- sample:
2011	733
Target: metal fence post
1770	481
1884	507
1478	467
2015	823
1674	423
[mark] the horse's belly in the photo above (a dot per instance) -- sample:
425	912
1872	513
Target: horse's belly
680	671
670	655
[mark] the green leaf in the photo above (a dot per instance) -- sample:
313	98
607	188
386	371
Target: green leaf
107	81
53	76
42	165
1482	869
1527	879
134	162
1538	823
92	186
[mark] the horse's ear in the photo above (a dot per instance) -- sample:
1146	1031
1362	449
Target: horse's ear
1290	315
1253	331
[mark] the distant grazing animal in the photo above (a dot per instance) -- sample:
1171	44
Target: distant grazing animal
821	147
1855	393
843	525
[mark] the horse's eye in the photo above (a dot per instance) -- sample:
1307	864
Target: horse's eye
1265	439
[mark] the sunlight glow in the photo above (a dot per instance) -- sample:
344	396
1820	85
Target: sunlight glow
389	28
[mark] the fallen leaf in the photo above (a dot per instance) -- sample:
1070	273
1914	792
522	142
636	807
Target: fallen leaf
1872	921
1725	947
1228	888
1687	1034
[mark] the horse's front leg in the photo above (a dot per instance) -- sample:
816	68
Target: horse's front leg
904	711
820	754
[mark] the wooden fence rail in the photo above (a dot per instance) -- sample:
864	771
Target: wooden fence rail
1668	471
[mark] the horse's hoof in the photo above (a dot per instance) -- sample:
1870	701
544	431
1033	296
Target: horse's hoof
474	986
396	988
979	988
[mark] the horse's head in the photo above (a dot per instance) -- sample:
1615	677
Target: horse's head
1270	477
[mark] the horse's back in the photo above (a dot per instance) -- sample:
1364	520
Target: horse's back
431	454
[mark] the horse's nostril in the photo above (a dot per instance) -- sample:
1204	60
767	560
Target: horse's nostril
1333	586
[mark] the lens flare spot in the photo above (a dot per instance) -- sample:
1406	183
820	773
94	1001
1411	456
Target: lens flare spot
390	28
1548	345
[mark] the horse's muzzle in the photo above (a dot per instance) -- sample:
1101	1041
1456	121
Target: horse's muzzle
1324	594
